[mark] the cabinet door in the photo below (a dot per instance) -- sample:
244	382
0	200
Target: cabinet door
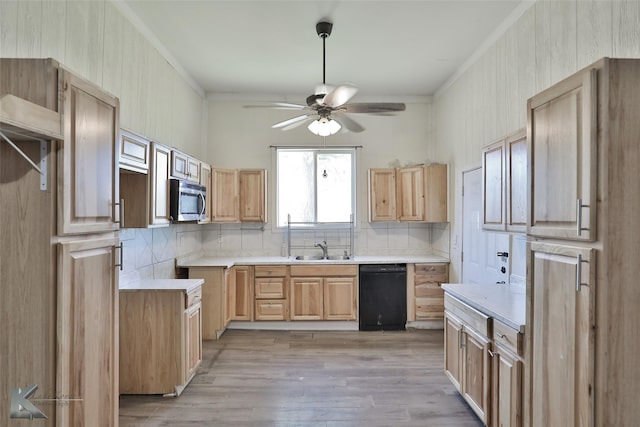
562	128
493	159
382	195
453	350
160	164
243	303
134	152
193	334
410	192
87	332
179	165
561	352
516	177
88	162
252	195
224	198
306	298
229	294
205	179
271	309
476	377
340	299
435	193
506	390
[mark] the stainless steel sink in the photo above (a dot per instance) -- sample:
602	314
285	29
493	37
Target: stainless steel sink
339	257
309	257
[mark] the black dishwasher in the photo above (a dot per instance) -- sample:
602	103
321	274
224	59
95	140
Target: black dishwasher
383	297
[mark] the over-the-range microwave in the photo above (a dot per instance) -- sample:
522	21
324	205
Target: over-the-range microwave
187	201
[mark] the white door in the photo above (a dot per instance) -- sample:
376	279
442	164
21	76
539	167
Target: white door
480	260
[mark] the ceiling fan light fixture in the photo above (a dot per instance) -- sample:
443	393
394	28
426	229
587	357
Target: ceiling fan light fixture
324	126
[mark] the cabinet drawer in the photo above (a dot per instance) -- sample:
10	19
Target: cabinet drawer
193	297
270	287
271	309
435	278
431	269
507	337
270	270
324	270
469	316
430	308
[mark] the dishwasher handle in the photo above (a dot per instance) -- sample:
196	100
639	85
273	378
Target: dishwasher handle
383	268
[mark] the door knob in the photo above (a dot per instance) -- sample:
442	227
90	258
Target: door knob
503	254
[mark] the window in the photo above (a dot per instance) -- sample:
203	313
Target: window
315	185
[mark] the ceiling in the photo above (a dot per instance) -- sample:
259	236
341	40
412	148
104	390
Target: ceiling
390	48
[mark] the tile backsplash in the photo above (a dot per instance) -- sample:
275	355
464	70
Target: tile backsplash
151	253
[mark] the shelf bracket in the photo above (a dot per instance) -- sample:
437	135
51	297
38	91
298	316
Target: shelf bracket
42	169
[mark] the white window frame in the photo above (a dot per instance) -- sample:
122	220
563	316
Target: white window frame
316	151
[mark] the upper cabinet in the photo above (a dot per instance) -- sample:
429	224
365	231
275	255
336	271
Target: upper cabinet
87	161
253	195
562	127
159	194
504	184
205	180
416	193
184	166
239	195
135	159
134	152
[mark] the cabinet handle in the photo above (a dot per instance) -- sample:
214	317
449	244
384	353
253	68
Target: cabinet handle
579	273
204	204
120	220
121	252
492	353
579	206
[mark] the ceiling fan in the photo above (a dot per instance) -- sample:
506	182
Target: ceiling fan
326	109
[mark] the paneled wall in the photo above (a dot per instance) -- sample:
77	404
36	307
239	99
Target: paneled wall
98	42
95	40
550	41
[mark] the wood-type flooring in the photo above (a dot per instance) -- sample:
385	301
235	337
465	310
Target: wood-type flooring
312	379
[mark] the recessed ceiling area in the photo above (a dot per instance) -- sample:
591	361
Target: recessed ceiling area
396	48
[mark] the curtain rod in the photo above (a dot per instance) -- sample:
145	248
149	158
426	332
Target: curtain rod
315	146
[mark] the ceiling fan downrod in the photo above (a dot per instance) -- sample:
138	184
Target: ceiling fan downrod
324	30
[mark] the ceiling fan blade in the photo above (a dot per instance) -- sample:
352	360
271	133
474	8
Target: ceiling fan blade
278	106
373	107
348	123
300	123
290	121
339	96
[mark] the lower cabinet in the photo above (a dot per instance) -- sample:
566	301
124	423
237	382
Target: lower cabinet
239	293
428	295
270	292
87	335
213	300
326	292
160	339
484	361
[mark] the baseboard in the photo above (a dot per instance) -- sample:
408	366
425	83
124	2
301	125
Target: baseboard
426	324
298	325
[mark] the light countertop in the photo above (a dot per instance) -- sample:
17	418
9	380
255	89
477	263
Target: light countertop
186	285
209	261
503	302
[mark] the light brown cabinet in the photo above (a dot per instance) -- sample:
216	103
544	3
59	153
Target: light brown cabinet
239	293
184	166
506	388
467	357
253	195
225	195
239	195
213	300
160	167
88	162
160	332
563	125
416	193
326	292
135	159
271	292
87	335
504	184
58	258
426	297
562	352
205	180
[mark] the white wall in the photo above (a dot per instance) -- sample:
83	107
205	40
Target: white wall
240	138
97	41
550	41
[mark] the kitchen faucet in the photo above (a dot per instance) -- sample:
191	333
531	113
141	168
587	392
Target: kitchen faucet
324	247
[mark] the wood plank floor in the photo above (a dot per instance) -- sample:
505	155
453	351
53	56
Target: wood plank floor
328	379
